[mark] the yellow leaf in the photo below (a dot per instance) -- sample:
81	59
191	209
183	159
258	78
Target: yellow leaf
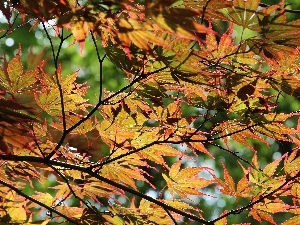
72	119
238	132
228	185
154	212
80	30
143	138
114	220
125	170
259	215
292	221
221	221
14	68
155	153
15	80
243	13
295	191
292	164
178	204
44	198
112	134
17	214
49	96
272	207
186	181
40	130
270	169
277	131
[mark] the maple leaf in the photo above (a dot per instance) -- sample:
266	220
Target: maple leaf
146	213
114	135
223	49
228	186
275	130
14	79
209	11
13	206
48	98
176	20
131	31
129	65
238	131
292	163
283	66
125	170
189	83
265	179
44	198
186	181
155	213
70	212
71	120
155	153
243	188
198	145
178	204
17	213
43	10
243	13
295	190
264	210
292	221
272	29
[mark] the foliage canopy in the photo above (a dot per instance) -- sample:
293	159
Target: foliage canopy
200	79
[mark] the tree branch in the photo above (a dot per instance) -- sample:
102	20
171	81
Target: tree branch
246	207
36	201
101	178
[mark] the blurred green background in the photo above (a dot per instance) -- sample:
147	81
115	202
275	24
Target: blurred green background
113	79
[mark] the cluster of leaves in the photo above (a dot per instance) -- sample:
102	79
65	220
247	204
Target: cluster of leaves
175	60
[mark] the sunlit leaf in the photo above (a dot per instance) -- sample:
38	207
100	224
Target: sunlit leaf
292	221
17	214
15	79
50	99
44	198
186	181
155	153
243	13
292	163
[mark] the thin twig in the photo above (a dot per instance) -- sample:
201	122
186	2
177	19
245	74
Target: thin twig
252	203
101	178
50	209
74	194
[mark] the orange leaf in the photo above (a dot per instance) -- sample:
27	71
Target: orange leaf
125	170
228	185
243	189
155	153
200	147
265	210
186	181
49	97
